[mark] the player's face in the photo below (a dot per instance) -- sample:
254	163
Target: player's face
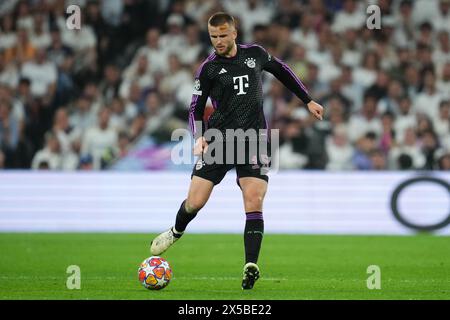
223	38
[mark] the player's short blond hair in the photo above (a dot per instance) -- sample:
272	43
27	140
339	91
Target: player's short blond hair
219	18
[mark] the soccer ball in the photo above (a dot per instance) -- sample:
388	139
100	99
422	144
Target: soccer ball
155	273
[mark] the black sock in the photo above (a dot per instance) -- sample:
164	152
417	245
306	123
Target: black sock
183	218
253	234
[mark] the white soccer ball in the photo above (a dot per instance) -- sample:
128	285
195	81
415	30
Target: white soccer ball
155	273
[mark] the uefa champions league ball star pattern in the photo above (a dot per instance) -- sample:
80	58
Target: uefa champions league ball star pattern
155	273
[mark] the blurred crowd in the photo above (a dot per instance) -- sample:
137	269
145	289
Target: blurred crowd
81	99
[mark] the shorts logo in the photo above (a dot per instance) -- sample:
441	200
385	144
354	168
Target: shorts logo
254	162
250	62
199	164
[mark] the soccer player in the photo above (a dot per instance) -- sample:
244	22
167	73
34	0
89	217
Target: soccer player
231	78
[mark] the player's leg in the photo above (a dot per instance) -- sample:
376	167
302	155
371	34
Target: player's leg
198	194
204	178
199	191
253	192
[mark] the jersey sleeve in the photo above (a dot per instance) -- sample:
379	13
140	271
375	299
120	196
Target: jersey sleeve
285	75
202	86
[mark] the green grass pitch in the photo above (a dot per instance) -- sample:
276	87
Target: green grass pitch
209	266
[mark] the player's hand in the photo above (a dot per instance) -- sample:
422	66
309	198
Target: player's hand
200	146
316	109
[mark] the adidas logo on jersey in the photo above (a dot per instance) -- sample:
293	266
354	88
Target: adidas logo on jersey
222	71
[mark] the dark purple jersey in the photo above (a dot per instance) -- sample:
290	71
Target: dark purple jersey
235	88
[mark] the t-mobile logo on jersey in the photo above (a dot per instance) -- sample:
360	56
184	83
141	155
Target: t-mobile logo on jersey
240	83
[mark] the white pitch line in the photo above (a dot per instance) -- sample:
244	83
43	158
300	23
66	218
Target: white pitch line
227	278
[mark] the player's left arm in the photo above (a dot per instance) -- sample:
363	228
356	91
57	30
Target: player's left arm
286	76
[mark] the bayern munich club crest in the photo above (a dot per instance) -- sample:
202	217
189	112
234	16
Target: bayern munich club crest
250	62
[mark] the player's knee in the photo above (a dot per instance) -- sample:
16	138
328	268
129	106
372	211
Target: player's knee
253	198
194	205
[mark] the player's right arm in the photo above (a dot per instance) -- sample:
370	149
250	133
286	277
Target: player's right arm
202	87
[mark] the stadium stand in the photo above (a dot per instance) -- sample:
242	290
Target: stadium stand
87	99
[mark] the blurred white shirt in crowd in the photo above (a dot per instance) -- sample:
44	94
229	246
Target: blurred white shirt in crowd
307	40
54	160
7	40
329	72
354	91
83	121
444	88
441	22
79	40
173	43
171	83
66	139
41	41
339	154
97	141
9	76
7	6
345	20
418	159
158	59
184	93
118	122
189	54
358	126
261	14
424	10
364	76
428	104
80	3
319	57
196	10
403	122
288	159
351	58
41	76
25	23
235	7
131	75
441	127
112	11
18	110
